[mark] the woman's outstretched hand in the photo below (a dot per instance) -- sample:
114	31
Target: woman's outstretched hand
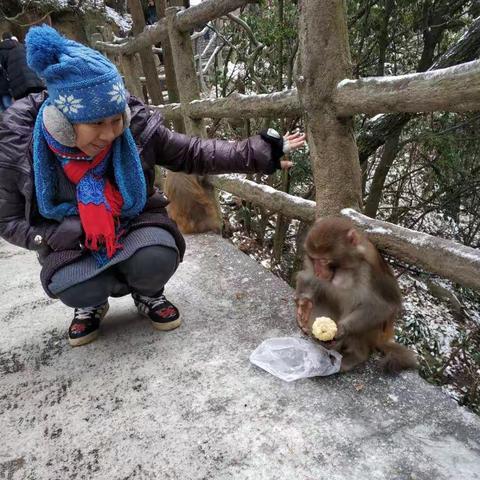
291	142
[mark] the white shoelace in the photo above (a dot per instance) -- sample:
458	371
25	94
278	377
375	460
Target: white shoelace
153	302
85	313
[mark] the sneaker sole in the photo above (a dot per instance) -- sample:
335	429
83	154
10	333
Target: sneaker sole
78	342
166	326
163	326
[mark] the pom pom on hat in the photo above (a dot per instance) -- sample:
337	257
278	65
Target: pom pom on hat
44	47
81	82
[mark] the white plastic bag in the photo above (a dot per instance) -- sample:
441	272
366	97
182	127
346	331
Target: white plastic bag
291	358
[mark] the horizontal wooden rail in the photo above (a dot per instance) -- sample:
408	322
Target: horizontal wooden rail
449	89
268	197
186	20
170	111
443	257
453	89
237	106
437	255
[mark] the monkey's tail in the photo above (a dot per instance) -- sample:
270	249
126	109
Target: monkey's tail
397	357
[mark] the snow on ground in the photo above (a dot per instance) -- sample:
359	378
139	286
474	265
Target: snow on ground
424	315
124	22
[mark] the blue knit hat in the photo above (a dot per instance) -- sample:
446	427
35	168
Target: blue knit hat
81	82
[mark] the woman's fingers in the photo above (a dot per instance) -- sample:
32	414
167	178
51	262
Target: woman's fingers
286	164
292	136
297	141
294	141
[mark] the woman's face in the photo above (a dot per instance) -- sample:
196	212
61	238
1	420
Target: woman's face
91	138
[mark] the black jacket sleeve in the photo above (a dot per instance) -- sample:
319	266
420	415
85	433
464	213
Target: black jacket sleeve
14	226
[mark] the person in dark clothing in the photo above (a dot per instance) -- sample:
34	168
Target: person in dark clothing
5	97
77	169
22	79
151	13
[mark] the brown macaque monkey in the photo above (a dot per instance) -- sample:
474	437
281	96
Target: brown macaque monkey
345	278
192	203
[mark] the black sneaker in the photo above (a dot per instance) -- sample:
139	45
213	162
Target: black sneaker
85	324
163	314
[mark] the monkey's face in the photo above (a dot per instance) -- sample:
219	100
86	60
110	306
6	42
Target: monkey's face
323	267
338	260
322	254
332	245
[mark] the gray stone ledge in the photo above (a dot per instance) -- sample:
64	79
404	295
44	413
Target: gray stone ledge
187	404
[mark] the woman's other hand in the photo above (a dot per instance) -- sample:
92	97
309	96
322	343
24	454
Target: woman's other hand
291	142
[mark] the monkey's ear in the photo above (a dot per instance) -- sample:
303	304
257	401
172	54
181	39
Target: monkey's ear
353	237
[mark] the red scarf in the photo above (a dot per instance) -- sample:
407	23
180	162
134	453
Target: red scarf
98	221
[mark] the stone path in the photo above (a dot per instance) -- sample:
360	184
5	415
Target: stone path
142	404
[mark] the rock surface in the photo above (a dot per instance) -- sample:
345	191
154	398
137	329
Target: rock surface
187	404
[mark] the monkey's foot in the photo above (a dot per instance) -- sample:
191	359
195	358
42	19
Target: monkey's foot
304	312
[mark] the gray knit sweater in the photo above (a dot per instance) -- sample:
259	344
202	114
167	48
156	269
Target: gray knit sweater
86	268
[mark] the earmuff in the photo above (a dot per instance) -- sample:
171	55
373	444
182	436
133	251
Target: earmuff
127	117
62	130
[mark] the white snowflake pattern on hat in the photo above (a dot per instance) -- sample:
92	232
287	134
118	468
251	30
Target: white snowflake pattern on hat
68	104
117	93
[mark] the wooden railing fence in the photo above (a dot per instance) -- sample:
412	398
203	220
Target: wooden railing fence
327	98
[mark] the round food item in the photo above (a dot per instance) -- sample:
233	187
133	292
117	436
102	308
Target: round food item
324	328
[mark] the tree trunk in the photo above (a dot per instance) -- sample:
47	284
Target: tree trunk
324	60
148	63
282	223
389	153
280	47
383	40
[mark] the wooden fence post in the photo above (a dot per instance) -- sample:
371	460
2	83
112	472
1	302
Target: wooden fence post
185	73
130	75
324	60
148	63
194	205
170	81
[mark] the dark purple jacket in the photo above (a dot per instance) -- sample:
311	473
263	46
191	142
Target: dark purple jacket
58	243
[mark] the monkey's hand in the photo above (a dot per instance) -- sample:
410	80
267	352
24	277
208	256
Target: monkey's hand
341	331
304	313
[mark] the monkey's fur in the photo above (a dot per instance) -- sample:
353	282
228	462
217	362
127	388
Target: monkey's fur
345	278
193	205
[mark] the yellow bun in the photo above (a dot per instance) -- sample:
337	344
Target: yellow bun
324	329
